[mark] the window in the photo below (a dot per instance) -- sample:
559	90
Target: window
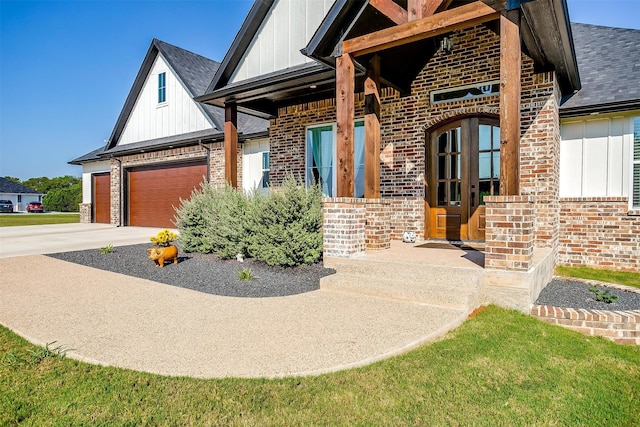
162	88
321	157
265	170
636	163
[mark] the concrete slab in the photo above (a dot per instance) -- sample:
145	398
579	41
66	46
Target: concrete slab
54	238
112	319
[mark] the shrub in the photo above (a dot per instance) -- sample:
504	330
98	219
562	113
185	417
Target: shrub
212	221
194	219
284	227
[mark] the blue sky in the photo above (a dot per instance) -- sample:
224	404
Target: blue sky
66	67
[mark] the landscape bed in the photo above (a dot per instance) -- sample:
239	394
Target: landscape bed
204	272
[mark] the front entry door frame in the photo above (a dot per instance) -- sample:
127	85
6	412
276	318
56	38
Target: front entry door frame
453	202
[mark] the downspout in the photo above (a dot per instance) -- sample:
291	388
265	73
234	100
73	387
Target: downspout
208	177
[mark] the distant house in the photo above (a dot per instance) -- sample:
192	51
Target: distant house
164	144
19	195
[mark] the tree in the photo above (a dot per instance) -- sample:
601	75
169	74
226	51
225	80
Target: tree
63	193
12	179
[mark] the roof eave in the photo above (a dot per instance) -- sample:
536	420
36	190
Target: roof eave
612	107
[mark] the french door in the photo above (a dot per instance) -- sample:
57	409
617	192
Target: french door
463	166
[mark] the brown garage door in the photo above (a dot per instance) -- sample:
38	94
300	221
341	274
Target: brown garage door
102	198
154	191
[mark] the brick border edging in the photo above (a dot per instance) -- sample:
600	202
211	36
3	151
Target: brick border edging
621	326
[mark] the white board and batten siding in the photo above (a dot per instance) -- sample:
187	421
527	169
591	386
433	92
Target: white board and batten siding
89	169
286	29
595	156
178	115
252	153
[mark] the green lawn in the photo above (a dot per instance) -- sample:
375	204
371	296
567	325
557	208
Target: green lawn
38	219
619	277
499	368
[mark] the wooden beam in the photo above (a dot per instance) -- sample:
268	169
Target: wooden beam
431	7
415	8
345	112
510	89
440	23
231	144
391	10
372	130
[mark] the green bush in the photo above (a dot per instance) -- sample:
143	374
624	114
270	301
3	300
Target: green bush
195	218
65	199
211	221
284	227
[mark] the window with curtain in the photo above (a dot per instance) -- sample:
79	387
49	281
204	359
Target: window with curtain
162	88
636	163
321	157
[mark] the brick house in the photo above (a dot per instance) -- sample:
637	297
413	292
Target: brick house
453	119
486	121
164	144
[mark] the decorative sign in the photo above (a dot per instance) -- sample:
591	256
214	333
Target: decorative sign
473	91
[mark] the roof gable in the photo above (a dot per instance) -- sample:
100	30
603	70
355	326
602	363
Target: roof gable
192	71
270	39
149	119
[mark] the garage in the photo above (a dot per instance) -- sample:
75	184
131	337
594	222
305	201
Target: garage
101	198
154	191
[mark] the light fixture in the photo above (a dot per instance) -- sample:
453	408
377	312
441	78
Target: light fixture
313	86
446	44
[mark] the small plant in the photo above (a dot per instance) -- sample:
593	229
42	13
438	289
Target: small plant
164	238
246	274
605	296
106	249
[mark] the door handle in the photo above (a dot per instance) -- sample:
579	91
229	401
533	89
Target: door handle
473	198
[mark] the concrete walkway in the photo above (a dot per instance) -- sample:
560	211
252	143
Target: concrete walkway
118	320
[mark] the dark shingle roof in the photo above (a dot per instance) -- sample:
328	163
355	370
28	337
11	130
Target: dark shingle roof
91	156
11	187
609	64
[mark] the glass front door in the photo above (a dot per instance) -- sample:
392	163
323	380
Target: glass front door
463	167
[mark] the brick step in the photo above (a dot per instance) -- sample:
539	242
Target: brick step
457	288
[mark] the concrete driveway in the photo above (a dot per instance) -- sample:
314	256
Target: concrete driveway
48	239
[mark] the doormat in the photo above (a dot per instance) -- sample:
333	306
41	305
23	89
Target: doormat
452	245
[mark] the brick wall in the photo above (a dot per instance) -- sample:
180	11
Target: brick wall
599	232
406	120
344	221
622	327
509	233
540	153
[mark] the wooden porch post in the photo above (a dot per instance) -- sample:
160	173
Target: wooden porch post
345	87
372	130
510	64
231	144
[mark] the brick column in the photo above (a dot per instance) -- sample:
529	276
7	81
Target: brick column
378	224
344	222
85	213
509	232
116	173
